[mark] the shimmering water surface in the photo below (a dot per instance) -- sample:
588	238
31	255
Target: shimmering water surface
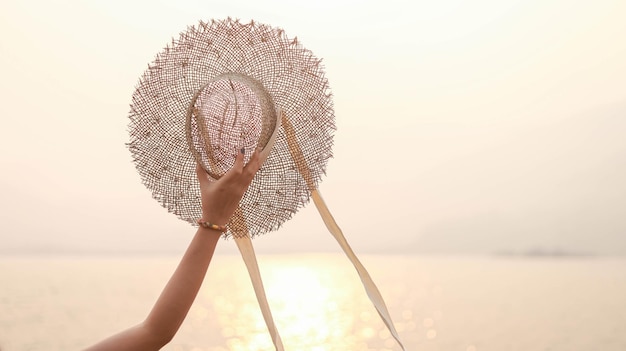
438	303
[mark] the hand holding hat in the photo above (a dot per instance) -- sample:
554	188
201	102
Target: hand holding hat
220	198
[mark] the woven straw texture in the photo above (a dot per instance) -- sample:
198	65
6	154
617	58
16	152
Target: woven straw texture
231	78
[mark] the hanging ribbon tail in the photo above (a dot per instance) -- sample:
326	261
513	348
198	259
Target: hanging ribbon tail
368	283
247	252
333	228
244	244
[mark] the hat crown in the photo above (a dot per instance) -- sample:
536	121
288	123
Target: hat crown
231	112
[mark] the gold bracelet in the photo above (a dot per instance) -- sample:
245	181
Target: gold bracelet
208	225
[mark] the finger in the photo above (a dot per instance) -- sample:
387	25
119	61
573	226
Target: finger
202	175
237	166
254	163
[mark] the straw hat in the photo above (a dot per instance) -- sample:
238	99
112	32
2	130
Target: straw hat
223	86
232	77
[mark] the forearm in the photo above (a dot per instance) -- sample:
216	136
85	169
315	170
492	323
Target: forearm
178	295
220	199
172	306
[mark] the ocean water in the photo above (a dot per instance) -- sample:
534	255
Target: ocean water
438	303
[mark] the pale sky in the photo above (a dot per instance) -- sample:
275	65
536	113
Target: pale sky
463	126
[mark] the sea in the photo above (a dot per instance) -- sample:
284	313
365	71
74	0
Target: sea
438	303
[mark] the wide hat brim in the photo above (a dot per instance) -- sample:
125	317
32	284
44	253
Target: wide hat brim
293	77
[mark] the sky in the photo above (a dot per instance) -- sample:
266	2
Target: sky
463	126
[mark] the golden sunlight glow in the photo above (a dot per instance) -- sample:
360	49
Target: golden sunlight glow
316	305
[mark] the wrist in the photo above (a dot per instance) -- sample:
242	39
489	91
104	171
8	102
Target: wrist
212	226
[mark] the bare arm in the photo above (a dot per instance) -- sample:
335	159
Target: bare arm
219	201
172	306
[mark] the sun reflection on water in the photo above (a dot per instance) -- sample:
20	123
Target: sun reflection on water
317	305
